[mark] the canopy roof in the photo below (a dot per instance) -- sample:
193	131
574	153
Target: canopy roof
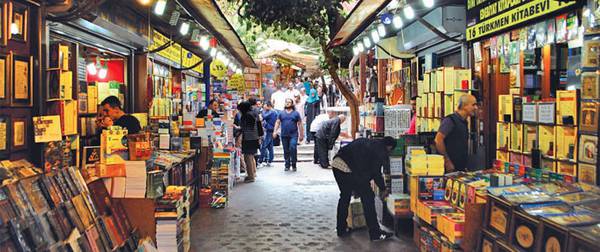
359	18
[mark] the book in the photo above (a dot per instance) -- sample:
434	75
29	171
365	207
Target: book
47	129
73	216
80	206
92	98
66	85
135	186
589	113
34	194
155	187
140	147
590	85
113	147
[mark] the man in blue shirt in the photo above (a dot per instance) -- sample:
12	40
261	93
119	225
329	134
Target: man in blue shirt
291	129
269	117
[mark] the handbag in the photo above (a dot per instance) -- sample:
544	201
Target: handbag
276	140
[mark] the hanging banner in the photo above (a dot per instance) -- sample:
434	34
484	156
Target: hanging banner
236	82
485	17
218	69
179	56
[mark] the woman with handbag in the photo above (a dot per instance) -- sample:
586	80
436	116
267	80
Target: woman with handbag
252	130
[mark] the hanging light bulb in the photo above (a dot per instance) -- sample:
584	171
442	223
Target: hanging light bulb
409	13
185	27
360	47
397	21
103	71
226	61
144	2
220	56
428	3
204	43
381	30
14	28
374	36
213	52
159	7
91	68
367	42
355	50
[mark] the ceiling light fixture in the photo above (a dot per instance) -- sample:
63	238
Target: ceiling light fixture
355	50
213	52
428	3
381	30
360	46
185	28
367	42
103	71
409	13
159	7
375	36
397	21
204	43
174	18
91	68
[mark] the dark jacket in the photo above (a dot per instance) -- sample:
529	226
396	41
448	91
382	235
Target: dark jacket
330	130
251	126
365	157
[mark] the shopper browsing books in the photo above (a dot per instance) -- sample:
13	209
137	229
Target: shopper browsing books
452	137
269	118
354	166
252	130
213	106
291	132
111	106
326	137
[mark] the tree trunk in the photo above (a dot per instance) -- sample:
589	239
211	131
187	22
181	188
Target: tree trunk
350	97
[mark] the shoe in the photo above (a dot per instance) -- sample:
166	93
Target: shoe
269	165
287	169
315	162
382	235
343	232
248	180
294	168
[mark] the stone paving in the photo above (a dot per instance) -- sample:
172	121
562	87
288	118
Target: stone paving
283	211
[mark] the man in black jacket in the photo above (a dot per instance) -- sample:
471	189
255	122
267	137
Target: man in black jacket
326	137
355	165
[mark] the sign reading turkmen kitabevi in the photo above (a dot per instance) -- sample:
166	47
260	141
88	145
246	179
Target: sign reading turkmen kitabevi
485	17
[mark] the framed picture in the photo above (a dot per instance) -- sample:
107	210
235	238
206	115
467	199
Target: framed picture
4	87
588	149
21	81
3	15
17	30
19	133
4	136
589	116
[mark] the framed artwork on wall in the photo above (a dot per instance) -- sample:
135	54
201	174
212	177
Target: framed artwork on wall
4	87
21	81
18	22
588	149
4	136
19	133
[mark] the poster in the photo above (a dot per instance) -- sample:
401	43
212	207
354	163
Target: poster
19	133
514	76
514	53
21	80
589	52
47	129
589	86
2	78
546	112
477	51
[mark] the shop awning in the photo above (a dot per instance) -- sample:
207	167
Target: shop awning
359	19
208	13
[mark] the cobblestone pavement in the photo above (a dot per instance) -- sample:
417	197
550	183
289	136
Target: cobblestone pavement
283	211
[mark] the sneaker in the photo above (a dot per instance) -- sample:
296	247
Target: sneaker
382	235
269	165
287	169
248	180
294	168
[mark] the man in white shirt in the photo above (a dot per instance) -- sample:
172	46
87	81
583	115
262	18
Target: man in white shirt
314	127
292	92
278	99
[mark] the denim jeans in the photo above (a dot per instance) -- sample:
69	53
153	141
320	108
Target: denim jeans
266	149
289	150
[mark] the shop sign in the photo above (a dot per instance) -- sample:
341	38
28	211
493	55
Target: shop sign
218	69
236	82
175	53
485	17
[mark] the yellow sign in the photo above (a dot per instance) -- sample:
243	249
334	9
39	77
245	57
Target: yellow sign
218	69
237	82
502	14
174	52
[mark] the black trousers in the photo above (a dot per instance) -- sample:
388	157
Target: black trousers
347	184
323	151
315	149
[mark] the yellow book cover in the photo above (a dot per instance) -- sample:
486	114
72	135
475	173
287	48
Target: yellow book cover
516	137
547	141
449	79
504	107
448	105
529	137
114	149
69	117
432	81
92	97
567	168
47	129
502	136
502	156
66	85
431	105
566	147
426	83
439	80
462	75
566	107
438	104
64	53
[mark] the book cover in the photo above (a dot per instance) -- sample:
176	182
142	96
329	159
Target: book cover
82	101
590	85
71	213
94	239
114	146
566	107
66	85
155	187
588	149
69	117
47	128
92	98
34	194
53	155
589	116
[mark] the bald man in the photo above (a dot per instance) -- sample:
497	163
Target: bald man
452	137
326	137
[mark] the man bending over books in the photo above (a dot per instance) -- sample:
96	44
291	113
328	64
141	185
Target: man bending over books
111	106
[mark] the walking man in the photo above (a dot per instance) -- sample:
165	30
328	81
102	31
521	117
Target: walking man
291	131
355	165
326	137
269	118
